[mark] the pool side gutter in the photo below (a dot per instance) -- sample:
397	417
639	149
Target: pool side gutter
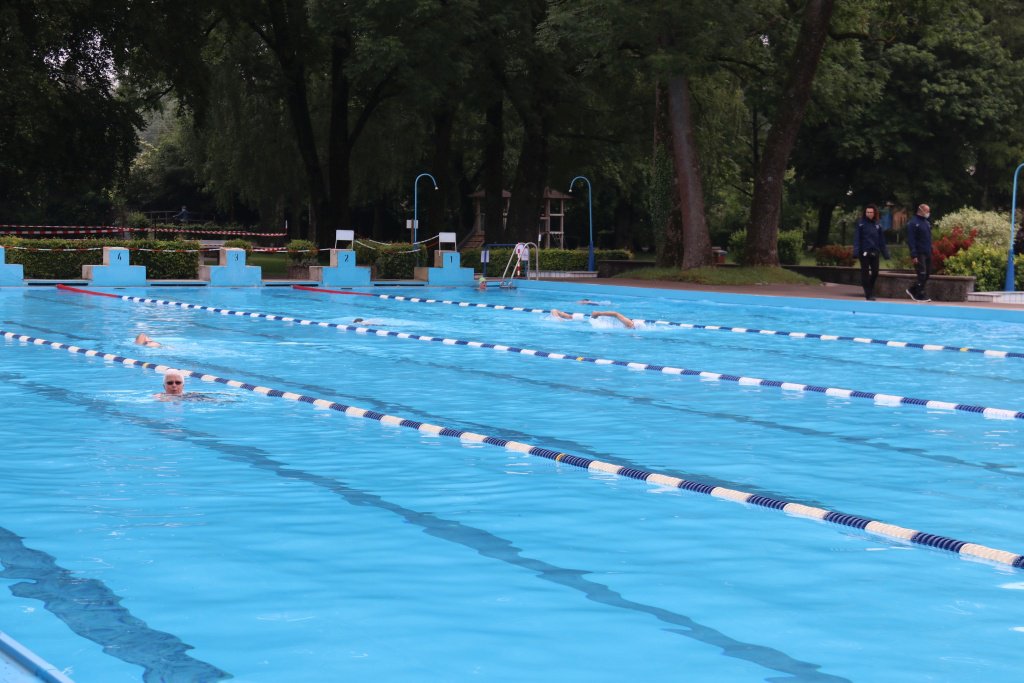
18	664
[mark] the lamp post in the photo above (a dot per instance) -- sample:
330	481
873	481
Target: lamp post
416	203
1009	286
590	215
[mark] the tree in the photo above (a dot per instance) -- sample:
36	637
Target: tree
762	235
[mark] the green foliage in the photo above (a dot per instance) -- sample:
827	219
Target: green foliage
164	260
550	259
303	253
834	255
240	244
988	266
791	246
758	275
136	220
395	261
993	227
948	245
738	246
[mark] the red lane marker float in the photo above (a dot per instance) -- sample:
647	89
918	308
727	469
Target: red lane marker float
79	290
331	291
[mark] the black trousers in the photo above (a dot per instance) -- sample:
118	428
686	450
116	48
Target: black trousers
869	273
923	268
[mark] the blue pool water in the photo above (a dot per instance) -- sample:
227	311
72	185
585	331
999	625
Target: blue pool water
269	540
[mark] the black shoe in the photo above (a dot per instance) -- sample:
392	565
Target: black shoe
911	294
925	299
871	298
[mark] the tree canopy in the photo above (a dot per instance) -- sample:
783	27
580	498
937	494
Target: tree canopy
691	118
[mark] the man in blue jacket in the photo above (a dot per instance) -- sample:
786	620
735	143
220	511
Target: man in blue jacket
919	239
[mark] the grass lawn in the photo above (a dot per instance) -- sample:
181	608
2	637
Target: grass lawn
760	275
273	265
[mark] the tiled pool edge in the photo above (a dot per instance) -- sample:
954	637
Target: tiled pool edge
35	667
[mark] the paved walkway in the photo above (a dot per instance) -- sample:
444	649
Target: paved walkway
825	290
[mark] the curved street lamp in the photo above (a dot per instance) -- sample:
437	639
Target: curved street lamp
1010	285
416	203
590	214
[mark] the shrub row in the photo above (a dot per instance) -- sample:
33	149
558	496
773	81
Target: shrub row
790	246
988	265
395	261
550	259
171	264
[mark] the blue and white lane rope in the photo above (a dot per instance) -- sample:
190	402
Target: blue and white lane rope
795	509
881	399
691	326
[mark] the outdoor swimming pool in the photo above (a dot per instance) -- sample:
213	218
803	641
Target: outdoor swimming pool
270	540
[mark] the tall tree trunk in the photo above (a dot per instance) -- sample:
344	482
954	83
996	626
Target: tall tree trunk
825	210
493	165
686	157
339	146
528	186
763	234
665	209
437	209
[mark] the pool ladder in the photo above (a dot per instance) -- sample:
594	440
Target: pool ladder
515	263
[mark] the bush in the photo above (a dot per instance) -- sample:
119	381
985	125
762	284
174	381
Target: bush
834	255
394	261
136	220
303	253
239	244
990	227
738	246
948	245
790	246
164	260
550	259
988	265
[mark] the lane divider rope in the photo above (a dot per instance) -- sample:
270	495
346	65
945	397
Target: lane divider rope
879	398
795	509
689	326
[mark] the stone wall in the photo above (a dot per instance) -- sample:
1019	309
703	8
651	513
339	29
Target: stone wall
892	284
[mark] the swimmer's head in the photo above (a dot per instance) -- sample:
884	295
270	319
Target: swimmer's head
174	382
357	320
144	340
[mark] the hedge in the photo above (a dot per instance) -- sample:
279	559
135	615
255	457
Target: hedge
550	259
393	261
988	266
790	246
60	265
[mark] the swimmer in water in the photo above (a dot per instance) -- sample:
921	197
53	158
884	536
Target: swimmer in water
596	314
483	284
144	340
174	389
174	385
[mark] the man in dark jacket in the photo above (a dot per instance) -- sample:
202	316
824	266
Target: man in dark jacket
919	239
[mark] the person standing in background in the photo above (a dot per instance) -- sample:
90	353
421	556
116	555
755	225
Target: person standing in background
919	239
868	243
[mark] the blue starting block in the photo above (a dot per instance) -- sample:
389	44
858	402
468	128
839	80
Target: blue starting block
343	271
11	274
447	268
232	271
116	270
